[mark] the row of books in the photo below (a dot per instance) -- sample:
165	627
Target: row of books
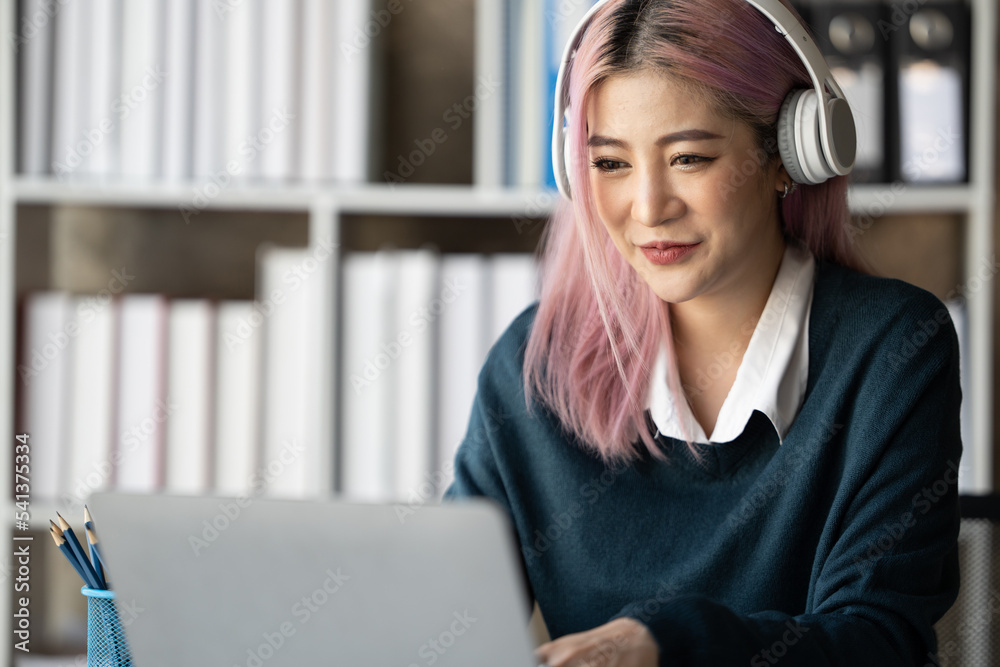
416	330
905	70
141	392
117	393
533	34
180	89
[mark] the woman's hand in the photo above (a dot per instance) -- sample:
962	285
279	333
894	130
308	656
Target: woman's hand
624	642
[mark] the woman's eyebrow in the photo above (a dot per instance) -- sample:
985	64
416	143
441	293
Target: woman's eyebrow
598	140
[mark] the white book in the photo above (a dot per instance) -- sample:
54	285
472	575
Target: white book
237	397
366	359
240	21
178	63
190	376
208	134
44	375
92	404
931	123
103	74
143	79
487	169
278	109
417	309
352	103
513	287
35	93
530	141
290	447
462	345
69	90
318	90
142	408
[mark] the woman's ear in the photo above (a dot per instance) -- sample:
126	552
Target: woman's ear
781	178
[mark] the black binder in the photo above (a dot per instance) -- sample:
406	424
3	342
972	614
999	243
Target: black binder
930	97
848	34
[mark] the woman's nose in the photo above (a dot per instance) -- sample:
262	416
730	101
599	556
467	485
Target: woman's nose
654	200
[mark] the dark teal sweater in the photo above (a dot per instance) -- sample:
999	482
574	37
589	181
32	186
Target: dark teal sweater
838	547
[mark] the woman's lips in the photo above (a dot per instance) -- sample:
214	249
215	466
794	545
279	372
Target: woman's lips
667	253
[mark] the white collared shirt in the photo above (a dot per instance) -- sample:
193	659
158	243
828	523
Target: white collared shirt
772	375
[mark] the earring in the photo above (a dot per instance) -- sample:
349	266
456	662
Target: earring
788	189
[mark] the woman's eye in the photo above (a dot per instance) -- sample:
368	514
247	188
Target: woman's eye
604	164
689	160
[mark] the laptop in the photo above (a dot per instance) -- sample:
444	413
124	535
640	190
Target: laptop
267	583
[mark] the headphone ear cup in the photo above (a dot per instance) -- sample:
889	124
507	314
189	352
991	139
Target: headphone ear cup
798	138
786	137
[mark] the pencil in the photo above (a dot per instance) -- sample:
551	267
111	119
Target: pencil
95	554
74	544
63	547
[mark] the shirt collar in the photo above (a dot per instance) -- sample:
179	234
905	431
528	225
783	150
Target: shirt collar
773	373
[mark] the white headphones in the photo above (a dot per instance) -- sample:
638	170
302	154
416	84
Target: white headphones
815	141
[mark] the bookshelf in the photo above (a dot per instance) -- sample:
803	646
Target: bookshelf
326	207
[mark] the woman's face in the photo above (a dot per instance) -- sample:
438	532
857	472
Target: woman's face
681	189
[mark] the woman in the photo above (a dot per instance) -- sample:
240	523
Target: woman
711	433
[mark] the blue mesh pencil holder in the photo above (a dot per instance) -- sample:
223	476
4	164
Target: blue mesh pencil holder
106	643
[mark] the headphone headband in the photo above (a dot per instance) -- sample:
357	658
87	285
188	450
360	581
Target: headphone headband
837	138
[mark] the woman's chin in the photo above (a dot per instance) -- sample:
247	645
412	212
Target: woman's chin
673	293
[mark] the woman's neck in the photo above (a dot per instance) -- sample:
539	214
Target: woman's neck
712	332
716	320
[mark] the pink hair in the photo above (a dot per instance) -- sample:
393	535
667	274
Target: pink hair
598	327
